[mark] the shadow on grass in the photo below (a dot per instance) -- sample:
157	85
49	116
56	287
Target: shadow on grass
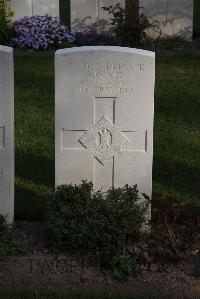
29	205
34	185
175	177
34	167
179	182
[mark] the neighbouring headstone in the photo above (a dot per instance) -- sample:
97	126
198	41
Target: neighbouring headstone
175	16
6	133
88	14
46	7
104	117
30	8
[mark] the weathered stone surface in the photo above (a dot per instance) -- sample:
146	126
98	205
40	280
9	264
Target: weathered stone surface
175	16
87	14
6	133
104	117
29	8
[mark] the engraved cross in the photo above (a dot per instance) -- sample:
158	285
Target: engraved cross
103	140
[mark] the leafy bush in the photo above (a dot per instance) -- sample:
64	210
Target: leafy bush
172	43
130	28
81	218
93	38
5	30
40	32
123	267
3	225
9	246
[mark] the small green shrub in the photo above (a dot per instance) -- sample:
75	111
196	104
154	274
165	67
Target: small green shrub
176	43
123	267
130	27
9	246
81	218
3	225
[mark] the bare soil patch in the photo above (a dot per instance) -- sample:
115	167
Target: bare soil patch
166	272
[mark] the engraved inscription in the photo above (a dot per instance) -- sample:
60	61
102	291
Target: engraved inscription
108	66
86	89
107	78
104	141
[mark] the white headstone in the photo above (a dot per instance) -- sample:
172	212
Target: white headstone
104	117
21	8
175	16
87	14
46	7
6	133
29	8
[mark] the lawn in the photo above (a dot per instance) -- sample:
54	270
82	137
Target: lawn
176	170
34	132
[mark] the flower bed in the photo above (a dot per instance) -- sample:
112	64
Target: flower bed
40	32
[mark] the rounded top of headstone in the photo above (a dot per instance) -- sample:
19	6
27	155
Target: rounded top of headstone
106	48
6	49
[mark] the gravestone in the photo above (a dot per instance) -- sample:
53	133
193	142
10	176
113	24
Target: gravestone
104	117
175	16
87	14
6	134
30	8
46	7
21	8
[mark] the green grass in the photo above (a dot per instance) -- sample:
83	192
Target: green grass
177	128
176	170
34	132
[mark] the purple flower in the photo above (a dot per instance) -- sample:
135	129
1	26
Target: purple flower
40	32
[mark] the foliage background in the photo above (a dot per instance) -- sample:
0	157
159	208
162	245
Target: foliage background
65	9
196	18
65	13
